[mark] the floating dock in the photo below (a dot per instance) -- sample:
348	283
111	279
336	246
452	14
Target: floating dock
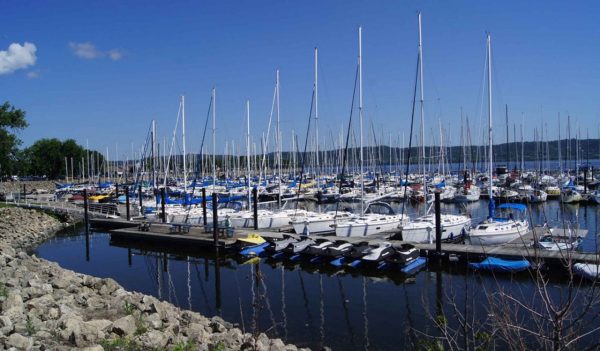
198	237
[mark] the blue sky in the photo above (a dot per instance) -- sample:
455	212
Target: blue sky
103	70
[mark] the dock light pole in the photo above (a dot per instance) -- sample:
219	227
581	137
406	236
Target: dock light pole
255	210
127	202
162	205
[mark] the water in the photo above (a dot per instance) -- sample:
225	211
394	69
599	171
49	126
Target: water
309	305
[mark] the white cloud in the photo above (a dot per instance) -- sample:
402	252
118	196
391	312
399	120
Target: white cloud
85	50
32	74
17	57
115	54
89	51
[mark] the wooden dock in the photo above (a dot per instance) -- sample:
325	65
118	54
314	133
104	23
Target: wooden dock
198	238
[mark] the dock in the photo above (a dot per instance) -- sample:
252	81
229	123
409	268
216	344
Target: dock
198	237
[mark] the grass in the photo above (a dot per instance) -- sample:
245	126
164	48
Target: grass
184	346
3	290
119	344
29	328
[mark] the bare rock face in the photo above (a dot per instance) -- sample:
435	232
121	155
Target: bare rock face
46	307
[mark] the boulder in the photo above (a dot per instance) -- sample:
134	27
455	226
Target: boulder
124	326
6	325
19	342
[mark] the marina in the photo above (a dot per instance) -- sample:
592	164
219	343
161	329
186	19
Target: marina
296	176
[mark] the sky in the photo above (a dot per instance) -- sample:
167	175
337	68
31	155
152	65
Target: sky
99	72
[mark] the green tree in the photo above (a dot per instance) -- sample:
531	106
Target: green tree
46	157
12	120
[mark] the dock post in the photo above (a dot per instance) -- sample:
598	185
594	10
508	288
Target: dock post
255	214
585	187
129	258
24	193
438	224
215	203
117	191
140	198
127	202
204	206
86	220
162	205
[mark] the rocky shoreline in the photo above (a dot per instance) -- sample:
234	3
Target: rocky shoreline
46	307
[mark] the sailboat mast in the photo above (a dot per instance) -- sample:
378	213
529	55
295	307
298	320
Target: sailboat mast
278	138
489	72
183	141
422	108
360	114
248	150
214	143
154	154
316	88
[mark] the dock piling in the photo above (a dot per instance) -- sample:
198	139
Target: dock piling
127	203
140	198
162	205
215	203
438	224
86	219
204	206
255	214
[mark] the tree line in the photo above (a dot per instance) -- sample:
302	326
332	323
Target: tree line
44	158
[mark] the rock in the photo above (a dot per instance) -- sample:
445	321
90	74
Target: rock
196	331
6	325
277	345
19	342
155	339
93	348
100	324
13	301
124	326
154	321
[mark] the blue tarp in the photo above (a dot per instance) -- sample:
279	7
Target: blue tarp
441	184
500	265
518	207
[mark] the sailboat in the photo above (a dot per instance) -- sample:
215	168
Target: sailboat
496	230
421	229
317	222
369	222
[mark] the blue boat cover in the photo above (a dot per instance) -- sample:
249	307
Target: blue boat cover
518	207
500	265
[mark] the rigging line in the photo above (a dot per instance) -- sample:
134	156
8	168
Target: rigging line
412	121
303	155
345	153
268	305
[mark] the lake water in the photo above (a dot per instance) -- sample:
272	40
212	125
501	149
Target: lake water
308	304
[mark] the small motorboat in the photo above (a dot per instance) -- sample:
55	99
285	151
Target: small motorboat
339	248
251	240
379	252
587	270
557	242
358	250
403	254
499	265
299	246
319	248
277	245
